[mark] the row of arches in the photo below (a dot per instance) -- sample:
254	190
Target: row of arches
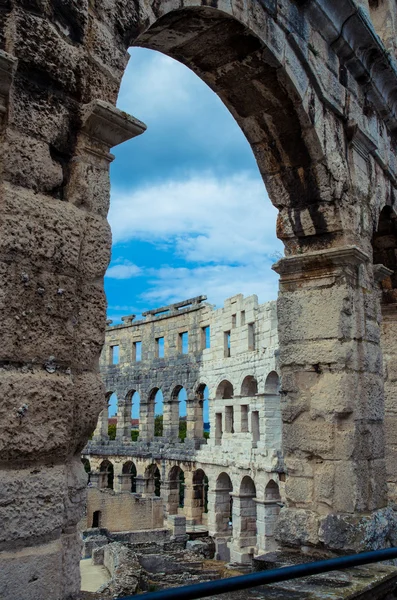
179	417
231	511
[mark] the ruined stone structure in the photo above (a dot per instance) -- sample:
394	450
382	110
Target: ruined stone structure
312	85
231	351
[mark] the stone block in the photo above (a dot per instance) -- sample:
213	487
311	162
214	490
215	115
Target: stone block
297	527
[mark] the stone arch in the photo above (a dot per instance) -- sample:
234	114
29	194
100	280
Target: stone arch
153	480
200	489
384	245
177	413
224	390
129	473
176	495
201	414
223	508
106	470
249	386
272	383
269	113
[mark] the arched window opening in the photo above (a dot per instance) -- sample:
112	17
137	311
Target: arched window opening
113	407
135	410
129	476
158	414
272	492
224	390
182	398
202	395
87	468
272	384
153	483
107	474
249	387
176	498
384	245
96	518
200	489
223	504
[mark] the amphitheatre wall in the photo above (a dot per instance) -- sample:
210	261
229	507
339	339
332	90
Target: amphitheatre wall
312	86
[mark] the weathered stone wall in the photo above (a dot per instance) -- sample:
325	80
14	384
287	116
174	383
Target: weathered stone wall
313	88
124	512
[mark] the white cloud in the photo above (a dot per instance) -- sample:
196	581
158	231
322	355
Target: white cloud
205	219
126	270
218	282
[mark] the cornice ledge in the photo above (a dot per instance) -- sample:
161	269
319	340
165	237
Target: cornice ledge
344	256
348	28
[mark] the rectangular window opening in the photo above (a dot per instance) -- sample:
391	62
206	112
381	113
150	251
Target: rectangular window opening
205	337
255	426
160	347
229	419
242	318
234	321
218	428
137	351
251	336
114	355
226	343
184	342
244	418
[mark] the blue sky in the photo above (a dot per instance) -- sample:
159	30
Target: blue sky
189	211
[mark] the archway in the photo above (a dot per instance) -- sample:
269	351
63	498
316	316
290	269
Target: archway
223	505
107	475
200	485
153	480
384	245
272	383
176	493
124	416
249	387
224	391
129	477
202	414
278	103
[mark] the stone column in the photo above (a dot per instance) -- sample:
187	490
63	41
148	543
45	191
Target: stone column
123	431
118	477
101	433
243	543
95	479
55	247
141	484
193	508
194	419
389	348
171	420
267	512
271	434
332	399
146	420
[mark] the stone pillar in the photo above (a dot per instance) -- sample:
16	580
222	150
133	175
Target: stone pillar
267	512
95	479
332	399
55	247
146	421
194	419
243	543
123	431
389	348
171	420
141	484
101	433
271	434
194	494
118	477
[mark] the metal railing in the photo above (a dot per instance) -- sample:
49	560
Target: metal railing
242	582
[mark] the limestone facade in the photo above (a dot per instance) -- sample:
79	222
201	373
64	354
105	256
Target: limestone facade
232	478
312	86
